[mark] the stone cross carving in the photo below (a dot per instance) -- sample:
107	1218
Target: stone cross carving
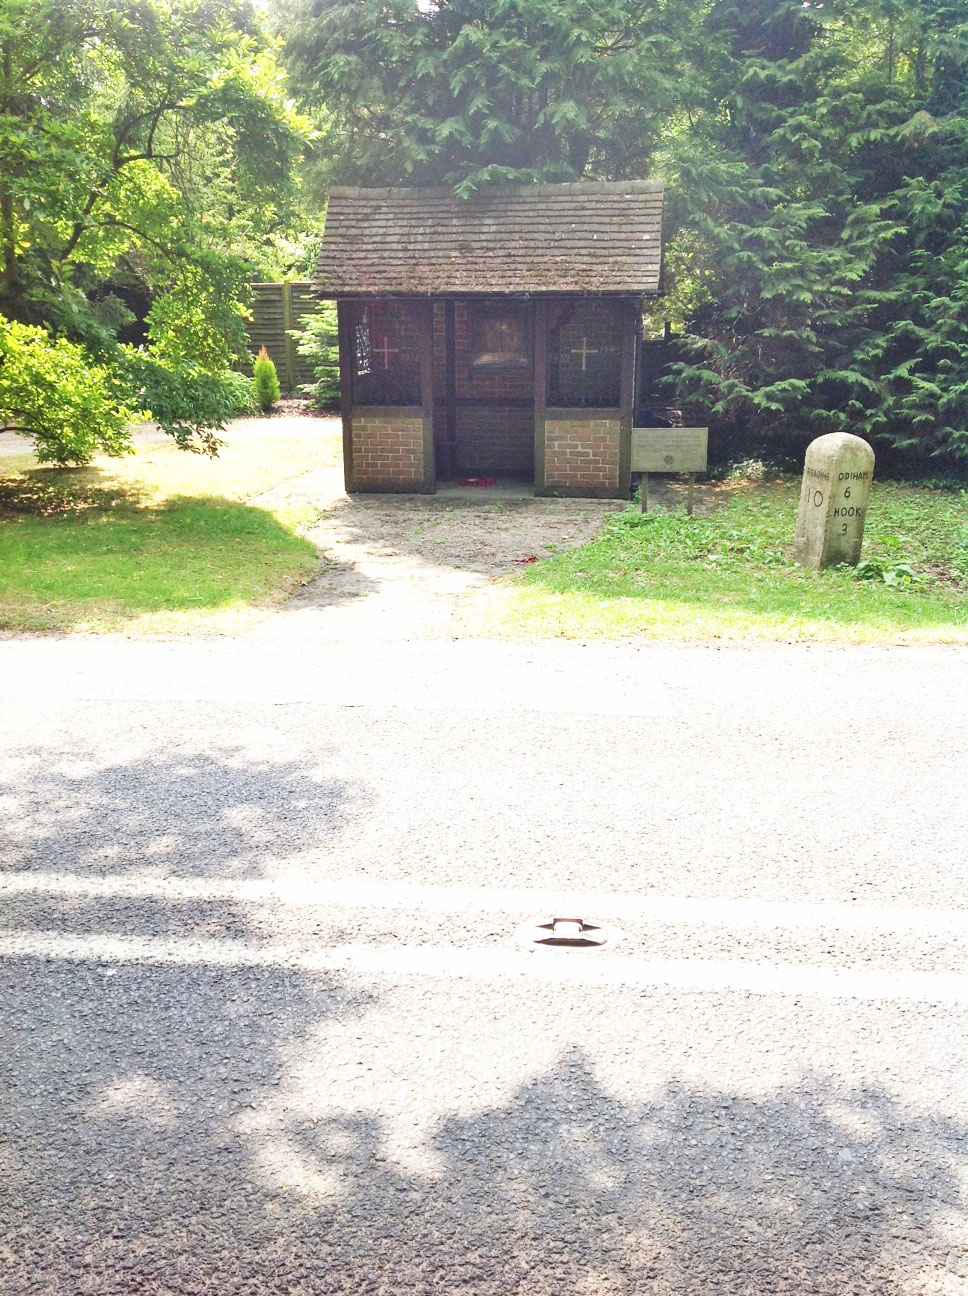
837	477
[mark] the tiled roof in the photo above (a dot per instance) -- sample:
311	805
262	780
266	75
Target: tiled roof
567	238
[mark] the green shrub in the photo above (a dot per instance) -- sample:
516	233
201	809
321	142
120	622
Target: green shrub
53	392
317	342
877	569
267	389
242	391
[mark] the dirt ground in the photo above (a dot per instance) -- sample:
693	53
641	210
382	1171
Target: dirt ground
487	532
402	566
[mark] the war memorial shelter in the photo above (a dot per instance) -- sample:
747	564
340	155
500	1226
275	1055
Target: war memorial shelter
492	337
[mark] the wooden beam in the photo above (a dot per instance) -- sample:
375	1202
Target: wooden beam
540	389
631	323
449	466
488	402
425	315
344	328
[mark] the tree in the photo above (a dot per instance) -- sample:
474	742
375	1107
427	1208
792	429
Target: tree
318	342
267	389
916	341
143	143
823	194
138	138
815	159
472	92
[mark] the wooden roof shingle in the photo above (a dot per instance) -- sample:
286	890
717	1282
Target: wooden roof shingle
602	237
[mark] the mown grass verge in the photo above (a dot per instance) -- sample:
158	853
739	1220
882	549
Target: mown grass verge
730	575
163	541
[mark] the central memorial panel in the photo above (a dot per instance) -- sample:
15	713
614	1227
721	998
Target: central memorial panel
584	356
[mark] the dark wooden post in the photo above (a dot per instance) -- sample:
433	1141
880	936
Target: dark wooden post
344	328
540	389
426	321
631	323
449	466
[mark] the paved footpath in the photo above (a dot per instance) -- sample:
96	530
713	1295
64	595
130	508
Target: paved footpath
269	1022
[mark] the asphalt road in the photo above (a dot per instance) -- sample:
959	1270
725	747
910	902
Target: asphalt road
270	1022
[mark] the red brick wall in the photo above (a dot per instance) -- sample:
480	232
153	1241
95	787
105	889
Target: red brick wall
582	453
495	440
387	450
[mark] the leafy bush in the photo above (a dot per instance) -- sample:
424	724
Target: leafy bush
52	391
267	389
876	569
753	471
242	390
186	401
317	342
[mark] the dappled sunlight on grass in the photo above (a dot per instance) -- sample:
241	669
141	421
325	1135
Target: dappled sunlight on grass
16	463
161	541
254	458
95	570
246	465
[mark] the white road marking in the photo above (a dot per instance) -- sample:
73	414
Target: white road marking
550	967
614	906
465	675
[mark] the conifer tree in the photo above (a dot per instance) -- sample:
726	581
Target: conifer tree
824	198
472	92
267	390
815	154
768	178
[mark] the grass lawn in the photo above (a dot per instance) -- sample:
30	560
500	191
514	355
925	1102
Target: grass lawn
729	575
161	541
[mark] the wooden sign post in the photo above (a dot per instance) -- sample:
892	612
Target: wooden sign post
669	450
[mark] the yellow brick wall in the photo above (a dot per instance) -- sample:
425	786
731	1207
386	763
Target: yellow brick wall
387	450
582	453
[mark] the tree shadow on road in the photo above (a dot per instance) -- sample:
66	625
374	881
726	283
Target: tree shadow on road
220	810
206	1116
160	1140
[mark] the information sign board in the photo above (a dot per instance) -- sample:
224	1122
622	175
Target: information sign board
672	450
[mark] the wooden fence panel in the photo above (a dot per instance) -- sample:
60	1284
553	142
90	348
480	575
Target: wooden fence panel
277	308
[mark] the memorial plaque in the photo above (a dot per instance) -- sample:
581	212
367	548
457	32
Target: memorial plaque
672	450
837	477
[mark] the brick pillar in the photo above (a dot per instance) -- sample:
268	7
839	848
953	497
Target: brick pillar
388	451
582	456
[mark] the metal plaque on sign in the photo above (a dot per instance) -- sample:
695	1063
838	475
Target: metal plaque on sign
671	450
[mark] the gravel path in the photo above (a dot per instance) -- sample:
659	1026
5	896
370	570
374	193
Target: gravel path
400	567
269	1025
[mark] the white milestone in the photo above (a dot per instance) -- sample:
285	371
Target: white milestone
837	476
